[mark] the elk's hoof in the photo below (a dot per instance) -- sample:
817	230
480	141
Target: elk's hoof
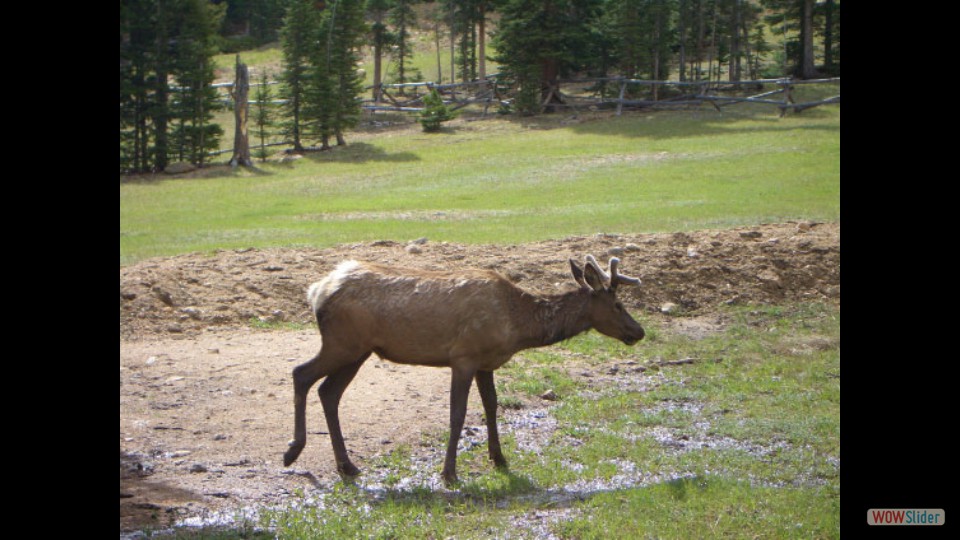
292	453
348	470
450	480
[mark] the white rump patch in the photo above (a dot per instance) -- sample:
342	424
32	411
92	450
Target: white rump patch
321	290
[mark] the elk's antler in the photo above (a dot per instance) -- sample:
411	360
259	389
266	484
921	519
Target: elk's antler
616	277
613	277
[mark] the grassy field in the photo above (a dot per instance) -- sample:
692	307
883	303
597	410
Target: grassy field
504	180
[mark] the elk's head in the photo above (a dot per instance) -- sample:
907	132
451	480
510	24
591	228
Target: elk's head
607	314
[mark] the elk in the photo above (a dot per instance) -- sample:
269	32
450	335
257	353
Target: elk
471	322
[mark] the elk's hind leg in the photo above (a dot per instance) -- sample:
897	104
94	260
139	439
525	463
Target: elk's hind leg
330	393
488	394
304	377
459	391
329	360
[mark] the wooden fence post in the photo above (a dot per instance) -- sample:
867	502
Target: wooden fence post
623	88
787	96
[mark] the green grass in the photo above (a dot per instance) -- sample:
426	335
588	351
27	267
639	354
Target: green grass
268	58
708	507
348	512
271	325
504	181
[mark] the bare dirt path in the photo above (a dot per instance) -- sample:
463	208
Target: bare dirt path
204	421
206	397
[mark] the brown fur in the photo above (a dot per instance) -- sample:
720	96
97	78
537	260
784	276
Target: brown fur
472	322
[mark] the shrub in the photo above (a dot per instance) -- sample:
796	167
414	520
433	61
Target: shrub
435	112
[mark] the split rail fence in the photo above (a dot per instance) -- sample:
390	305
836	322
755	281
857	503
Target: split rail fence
409	97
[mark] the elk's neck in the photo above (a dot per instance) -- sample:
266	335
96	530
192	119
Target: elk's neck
550	319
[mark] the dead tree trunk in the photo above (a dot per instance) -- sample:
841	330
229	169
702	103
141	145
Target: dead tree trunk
241	142
453	48
807	68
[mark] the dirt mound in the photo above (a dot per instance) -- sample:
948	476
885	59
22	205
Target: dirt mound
695	271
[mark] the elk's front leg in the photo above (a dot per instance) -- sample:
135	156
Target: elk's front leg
488	394
459	391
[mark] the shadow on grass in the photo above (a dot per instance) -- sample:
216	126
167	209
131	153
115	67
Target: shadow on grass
349	153
207	172
441	131
708	122
670	124
495	490
482	491
359	153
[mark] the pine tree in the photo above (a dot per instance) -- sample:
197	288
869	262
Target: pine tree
346	28
464	15
537	41
793	21
322	82
263	113
329	81
165	74
319	95
755	46
602	52
830	11
759	48
160	109
643	37
402	17
380	38
483	8
469	19
137	41
298	40
192	68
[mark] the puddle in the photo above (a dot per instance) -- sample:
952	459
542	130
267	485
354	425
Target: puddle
531	429
539	524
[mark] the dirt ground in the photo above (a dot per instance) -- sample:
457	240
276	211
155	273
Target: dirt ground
206	352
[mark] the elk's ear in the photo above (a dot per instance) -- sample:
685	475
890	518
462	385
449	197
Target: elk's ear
577	273
593	277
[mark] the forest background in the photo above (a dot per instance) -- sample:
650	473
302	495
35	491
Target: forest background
329	56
